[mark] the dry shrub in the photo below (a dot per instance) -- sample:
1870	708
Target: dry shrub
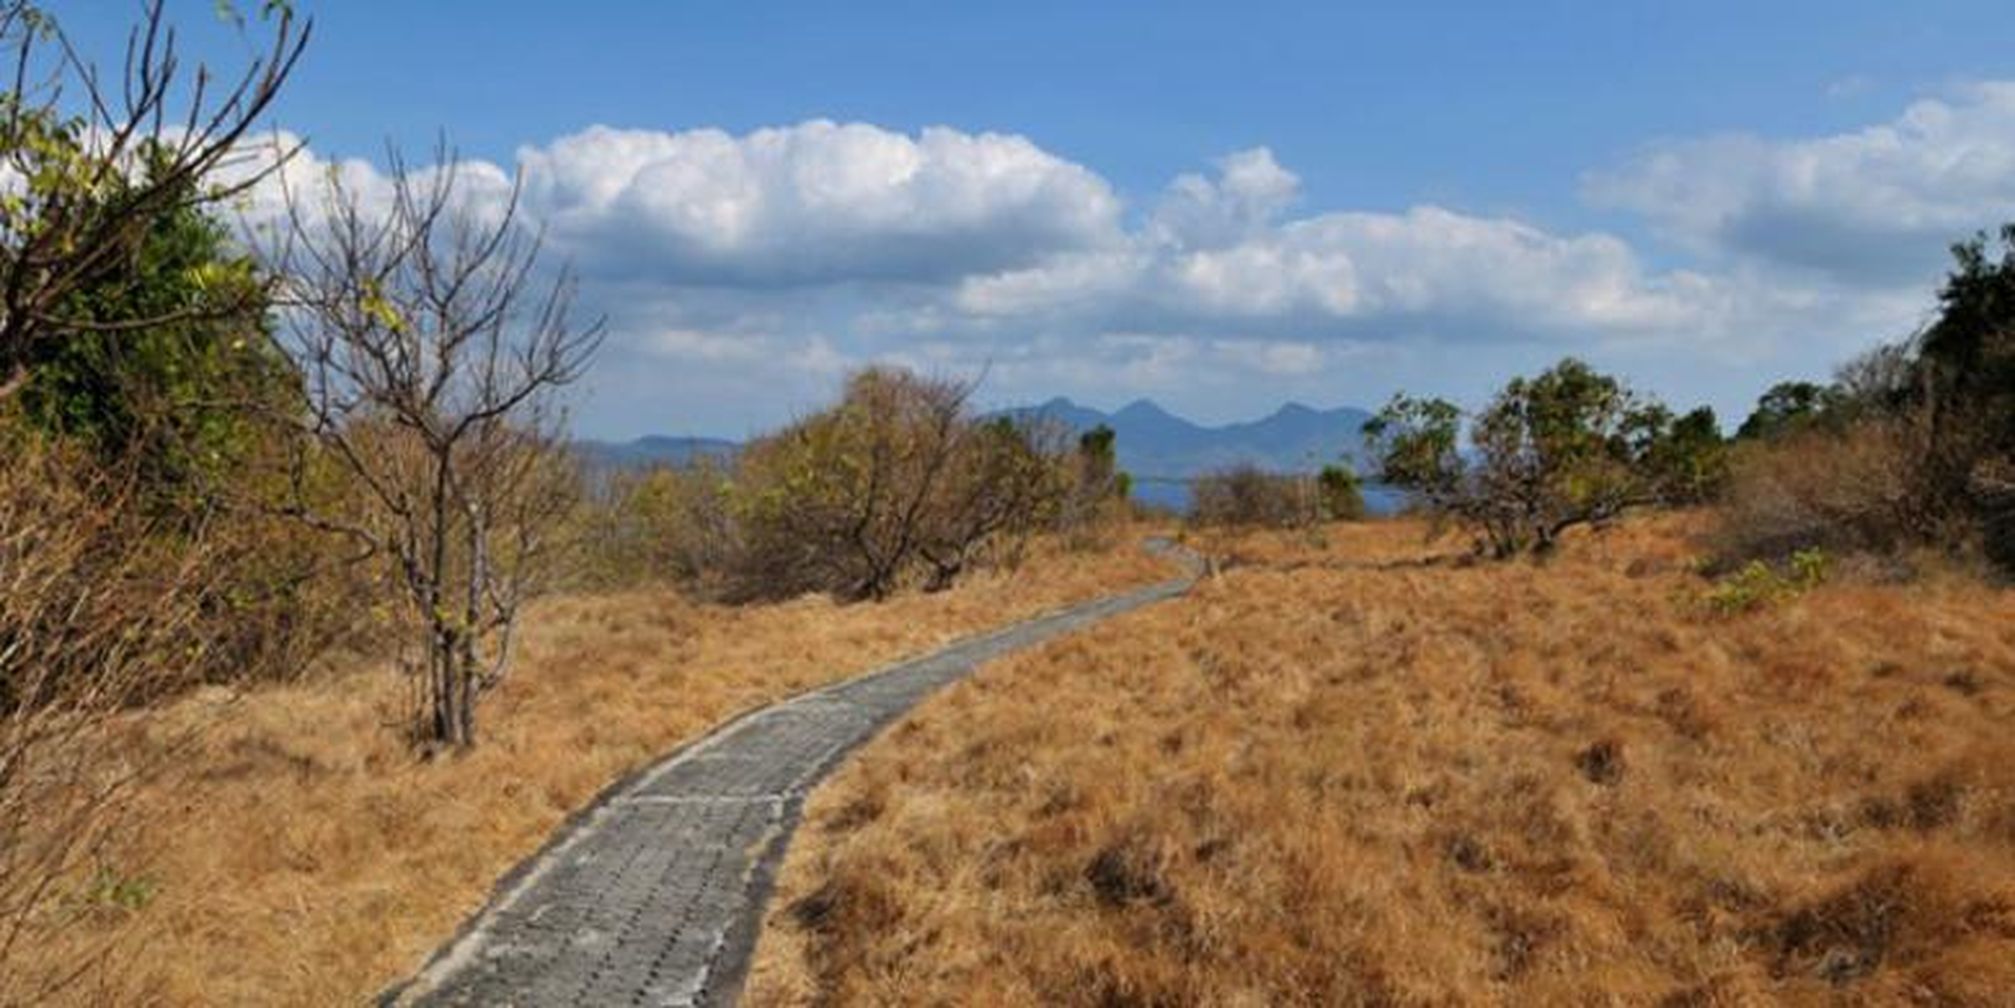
663	524
1361	774
1248	496
108	604
96	614
1854	490
898	485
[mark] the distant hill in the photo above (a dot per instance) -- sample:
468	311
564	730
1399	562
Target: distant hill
653	450
1153	442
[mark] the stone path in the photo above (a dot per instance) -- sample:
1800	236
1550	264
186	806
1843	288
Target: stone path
655	896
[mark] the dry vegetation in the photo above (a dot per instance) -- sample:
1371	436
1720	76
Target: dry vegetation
297	853
1365	773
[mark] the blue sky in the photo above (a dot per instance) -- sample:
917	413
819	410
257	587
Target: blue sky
1219	206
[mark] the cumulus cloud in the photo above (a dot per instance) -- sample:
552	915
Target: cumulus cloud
819	202
1876	204
1223	251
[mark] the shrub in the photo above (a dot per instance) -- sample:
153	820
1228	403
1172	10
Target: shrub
1853	490
104	606
1246	495
167	400
1339	494
1098	490
665	523
899	483
1758	584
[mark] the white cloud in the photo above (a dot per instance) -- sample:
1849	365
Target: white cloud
1250	192
1218	251
819	202
1877	204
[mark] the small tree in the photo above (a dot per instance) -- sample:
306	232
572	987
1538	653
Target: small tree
1569	447
840	500
897	481
1096	486
1006	482
432	350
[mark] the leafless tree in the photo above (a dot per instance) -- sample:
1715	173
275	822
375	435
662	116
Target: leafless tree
431	347
90	159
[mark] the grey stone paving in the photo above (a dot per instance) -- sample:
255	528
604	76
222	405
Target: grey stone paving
654	896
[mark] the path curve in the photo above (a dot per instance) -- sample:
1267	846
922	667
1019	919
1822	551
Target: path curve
654	895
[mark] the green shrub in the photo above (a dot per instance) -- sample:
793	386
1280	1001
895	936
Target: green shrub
1758	584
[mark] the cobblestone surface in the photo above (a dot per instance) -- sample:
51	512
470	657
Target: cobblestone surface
654	897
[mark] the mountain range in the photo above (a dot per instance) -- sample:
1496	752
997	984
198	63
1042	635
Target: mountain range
1155	444
1152	442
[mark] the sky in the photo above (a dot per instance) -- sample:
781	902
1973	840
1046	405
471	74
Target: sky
1221	207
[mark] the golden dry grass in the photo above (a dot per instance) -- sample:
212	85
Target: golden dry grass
1356	774
299	854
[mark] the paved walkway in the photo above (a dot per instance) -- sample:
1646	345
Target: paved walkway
655	896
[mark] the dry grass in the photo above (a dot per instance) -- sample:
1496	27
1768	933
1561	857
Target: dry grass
1355	774
300	855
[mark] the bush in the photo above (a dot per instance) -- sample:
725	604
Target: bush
665	523
1855	490
1758	584
1246	495
1339	494
106	605
899	484
1097	493
170	400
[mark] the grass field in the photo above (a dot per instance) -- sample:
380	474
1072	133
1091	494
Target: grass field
299	854
1365	772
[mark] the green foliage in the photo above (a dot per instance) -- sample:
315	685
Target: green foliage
1785	407
1917	438
1683	459
1339	494
1758	584
1566	447
171	397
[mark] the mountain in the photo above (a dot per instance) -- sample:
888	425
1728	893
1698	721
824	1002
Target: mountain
1154	443
654	449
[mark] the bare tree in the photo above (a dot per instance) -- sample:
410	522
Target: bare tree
431	348
89	160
